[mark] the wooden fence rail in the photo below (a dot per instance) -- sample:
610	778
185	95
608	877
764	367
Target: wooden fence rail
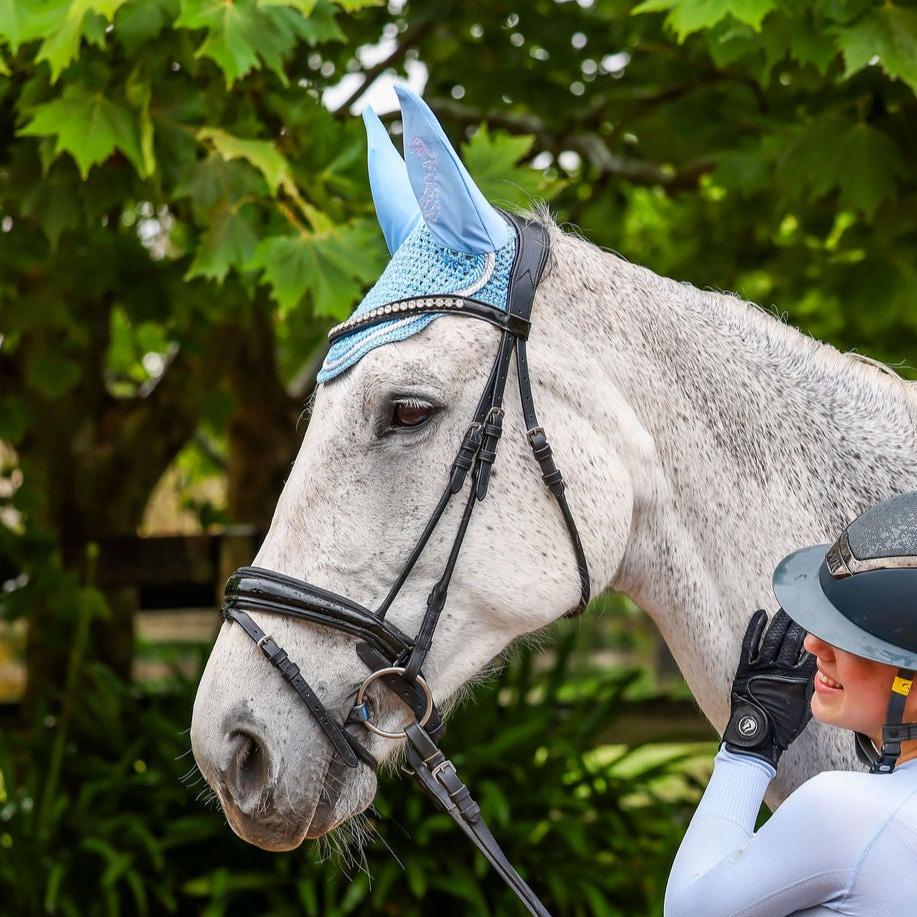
179	583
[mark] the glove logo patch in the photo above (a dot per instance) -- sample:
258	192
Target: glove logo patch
748	726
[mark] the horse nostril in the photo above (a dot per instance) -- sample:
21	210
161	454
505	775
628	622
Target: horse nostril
249	765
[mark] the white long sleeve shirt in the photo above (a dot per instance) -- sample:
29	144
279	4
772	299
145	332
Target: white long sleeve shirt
843	843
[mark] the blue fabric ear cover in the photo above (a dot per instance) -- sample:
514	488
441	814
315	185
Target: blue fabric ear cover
396	208
452	241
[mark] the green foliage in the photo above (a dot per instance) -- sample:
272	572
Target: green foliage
319	263
172	159
492	159
173	191
262	154
89	127
888	32
167	172
101	817
687	16
245	35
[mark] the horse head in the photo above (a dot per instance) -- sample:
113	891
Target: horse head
391	412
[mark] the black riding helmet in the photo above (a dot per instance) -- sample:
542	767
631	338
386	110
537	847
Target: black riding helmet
860	594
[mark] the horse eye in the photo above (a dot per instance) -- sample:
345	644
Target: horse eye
407	415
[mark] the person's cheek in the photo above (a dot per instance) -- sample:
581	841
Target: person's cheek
869	686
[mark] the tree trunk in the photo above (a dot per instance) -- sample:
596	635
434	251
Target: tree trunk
99	459
263	434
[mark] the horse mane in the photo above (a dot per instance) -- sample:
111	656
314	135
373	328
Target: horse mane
880	380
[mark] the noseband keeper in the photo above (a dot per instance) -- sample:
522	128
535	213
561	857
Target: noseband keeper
393	658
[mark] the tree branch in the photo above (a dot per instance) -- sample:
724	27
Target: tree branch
411	37
589	144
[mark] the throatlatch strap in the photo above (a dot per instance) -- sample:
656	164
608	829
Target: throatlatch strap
533	254
551	475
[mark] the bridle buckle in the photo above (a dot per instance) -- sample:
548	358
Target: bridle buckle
262	641
437	769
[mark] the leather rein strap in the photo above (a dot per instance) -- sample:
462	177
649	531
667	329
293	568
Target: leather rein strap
382	646
437	776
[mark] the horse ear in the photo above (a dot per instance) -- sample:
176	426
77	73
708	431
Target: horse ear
396	208
452	206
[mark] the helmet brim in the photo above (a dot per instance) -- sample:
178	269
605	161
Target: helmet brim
798	590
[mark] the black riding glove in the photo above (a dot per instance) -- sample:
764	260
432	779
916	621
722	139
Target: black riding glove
772	689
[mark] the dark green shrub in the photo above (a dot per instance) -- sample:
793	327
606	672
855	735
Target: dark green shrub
104	812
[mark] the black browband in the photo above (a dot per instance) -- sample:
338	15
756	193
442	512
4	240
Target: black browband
390	655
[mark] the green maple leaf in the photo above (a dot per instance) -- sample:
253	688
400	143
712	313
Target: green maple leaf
89	126
262	154
51	374
228	242
139	93
22	21
333	266
213	180
869	165
319	26
888	32
809	44
492	160
52	204
240	36
857	159
15	418
353	6
305	7
72	21
687	16
141	20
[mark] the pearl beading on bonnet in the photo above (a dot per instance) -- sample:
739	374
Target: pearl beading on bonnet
433	305
439	303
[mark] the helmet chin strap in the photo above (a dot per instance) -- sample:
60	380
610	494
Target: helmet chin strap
894	732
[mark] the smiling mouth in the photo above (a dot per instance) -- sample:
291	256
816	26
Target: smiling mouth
828	682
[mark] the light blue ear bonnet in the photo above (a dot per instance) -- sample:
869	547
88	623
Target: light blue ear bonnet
443	234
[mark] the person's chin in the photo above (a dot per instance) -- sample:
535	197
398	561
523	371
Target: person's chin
827	713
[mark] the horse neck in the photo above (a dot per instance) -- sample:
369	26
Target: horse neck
762	440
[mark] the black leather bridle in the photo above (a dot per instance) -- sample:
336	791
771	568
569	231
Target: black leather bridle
390	655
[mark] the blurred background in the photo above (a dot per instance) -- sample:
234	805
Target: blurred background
184	212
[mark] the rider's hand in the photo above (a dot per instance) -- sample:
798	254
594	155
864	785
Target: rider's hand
772	689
